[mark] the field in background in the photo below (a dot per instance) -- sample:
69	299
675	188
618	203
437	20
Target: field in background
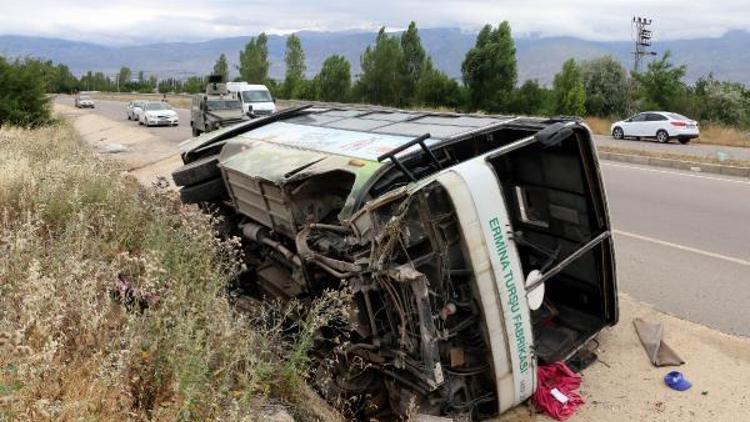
599	125
721	135
113	301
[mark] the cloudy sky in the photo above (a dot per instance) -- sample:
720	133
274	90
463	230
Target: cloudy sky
136	21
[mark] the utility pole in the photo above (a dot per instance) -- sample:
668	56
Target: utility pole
642	38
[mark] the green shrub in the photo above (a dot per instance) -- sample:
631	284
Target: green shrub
23	99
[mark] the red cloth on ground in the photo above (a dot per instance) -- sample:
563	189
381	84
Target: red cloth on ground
557	375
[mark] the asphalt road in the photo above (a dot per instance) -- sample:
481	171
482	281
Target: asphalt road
682	239
115	110
682	242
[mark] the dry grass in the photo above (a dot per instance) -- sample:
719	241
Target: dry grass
723	135
72	349
599	125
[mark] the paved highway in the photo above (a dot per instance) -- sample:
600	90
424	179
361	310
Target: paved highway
115	110
682	239
682	242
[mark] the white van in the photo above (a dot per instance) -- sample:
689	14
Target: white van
253	97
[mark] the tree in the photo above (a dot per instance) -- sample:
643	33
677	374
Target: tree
661	85
489	69
380	82
606	85
436	89
124	76
335	80
308	89
194	85
717	101
65	82
168	85
222	67
414	62
569	93
141	77
23	99
254	64
294	58
531	99
153	81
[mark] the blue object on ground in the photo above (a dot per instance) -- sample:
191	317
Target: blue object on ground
676	381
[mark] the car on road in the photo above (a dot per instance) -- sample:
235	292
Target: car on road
157	113
84	101
134	108
659	125
255	98
471	248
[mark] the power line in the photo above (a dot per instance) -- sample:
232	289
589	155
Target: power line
642	37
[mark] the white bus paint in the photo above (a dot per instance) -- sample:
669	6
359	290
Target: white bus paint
476	250
489	204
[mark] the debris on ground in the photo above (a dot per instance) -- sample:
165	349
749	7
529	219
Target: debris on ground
113	148
555	394
676	381
132	296
651	335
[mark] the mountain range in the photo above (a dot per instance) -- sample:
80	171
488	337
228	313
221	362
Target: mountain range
727	57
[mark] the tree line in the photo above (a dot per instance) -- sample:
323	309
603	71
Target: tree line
397	71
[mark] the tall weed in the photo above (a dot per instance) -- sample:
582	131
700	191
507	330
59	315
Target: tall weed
71	226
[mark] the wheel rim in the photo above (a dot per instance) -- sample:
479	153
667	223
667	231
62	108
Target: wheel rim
661	137
618	133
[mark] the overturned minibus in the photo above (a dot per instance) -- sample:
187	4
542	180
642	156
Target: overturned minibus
475	247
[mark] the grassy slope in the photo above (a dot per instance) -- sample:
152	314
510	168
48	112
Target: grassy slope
69	225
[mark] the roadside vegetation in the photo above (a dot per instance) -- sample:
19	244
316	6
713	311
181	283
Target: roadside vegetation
113	300
23	99
397	71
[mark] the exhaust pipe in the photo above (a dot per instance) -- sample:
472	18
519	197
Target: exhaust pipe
260	234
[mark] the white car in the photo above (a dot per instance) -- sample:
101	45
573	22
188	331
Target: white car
157	113
83	101
660	125
134	108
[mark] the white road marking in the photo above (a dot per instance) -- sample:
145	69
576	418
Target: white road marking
684	248
685	173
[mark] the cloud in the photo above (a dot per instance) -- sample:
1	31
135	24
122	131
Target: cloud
138	21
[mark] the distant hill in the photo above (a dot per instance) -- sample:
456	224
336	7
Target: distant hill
538	57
